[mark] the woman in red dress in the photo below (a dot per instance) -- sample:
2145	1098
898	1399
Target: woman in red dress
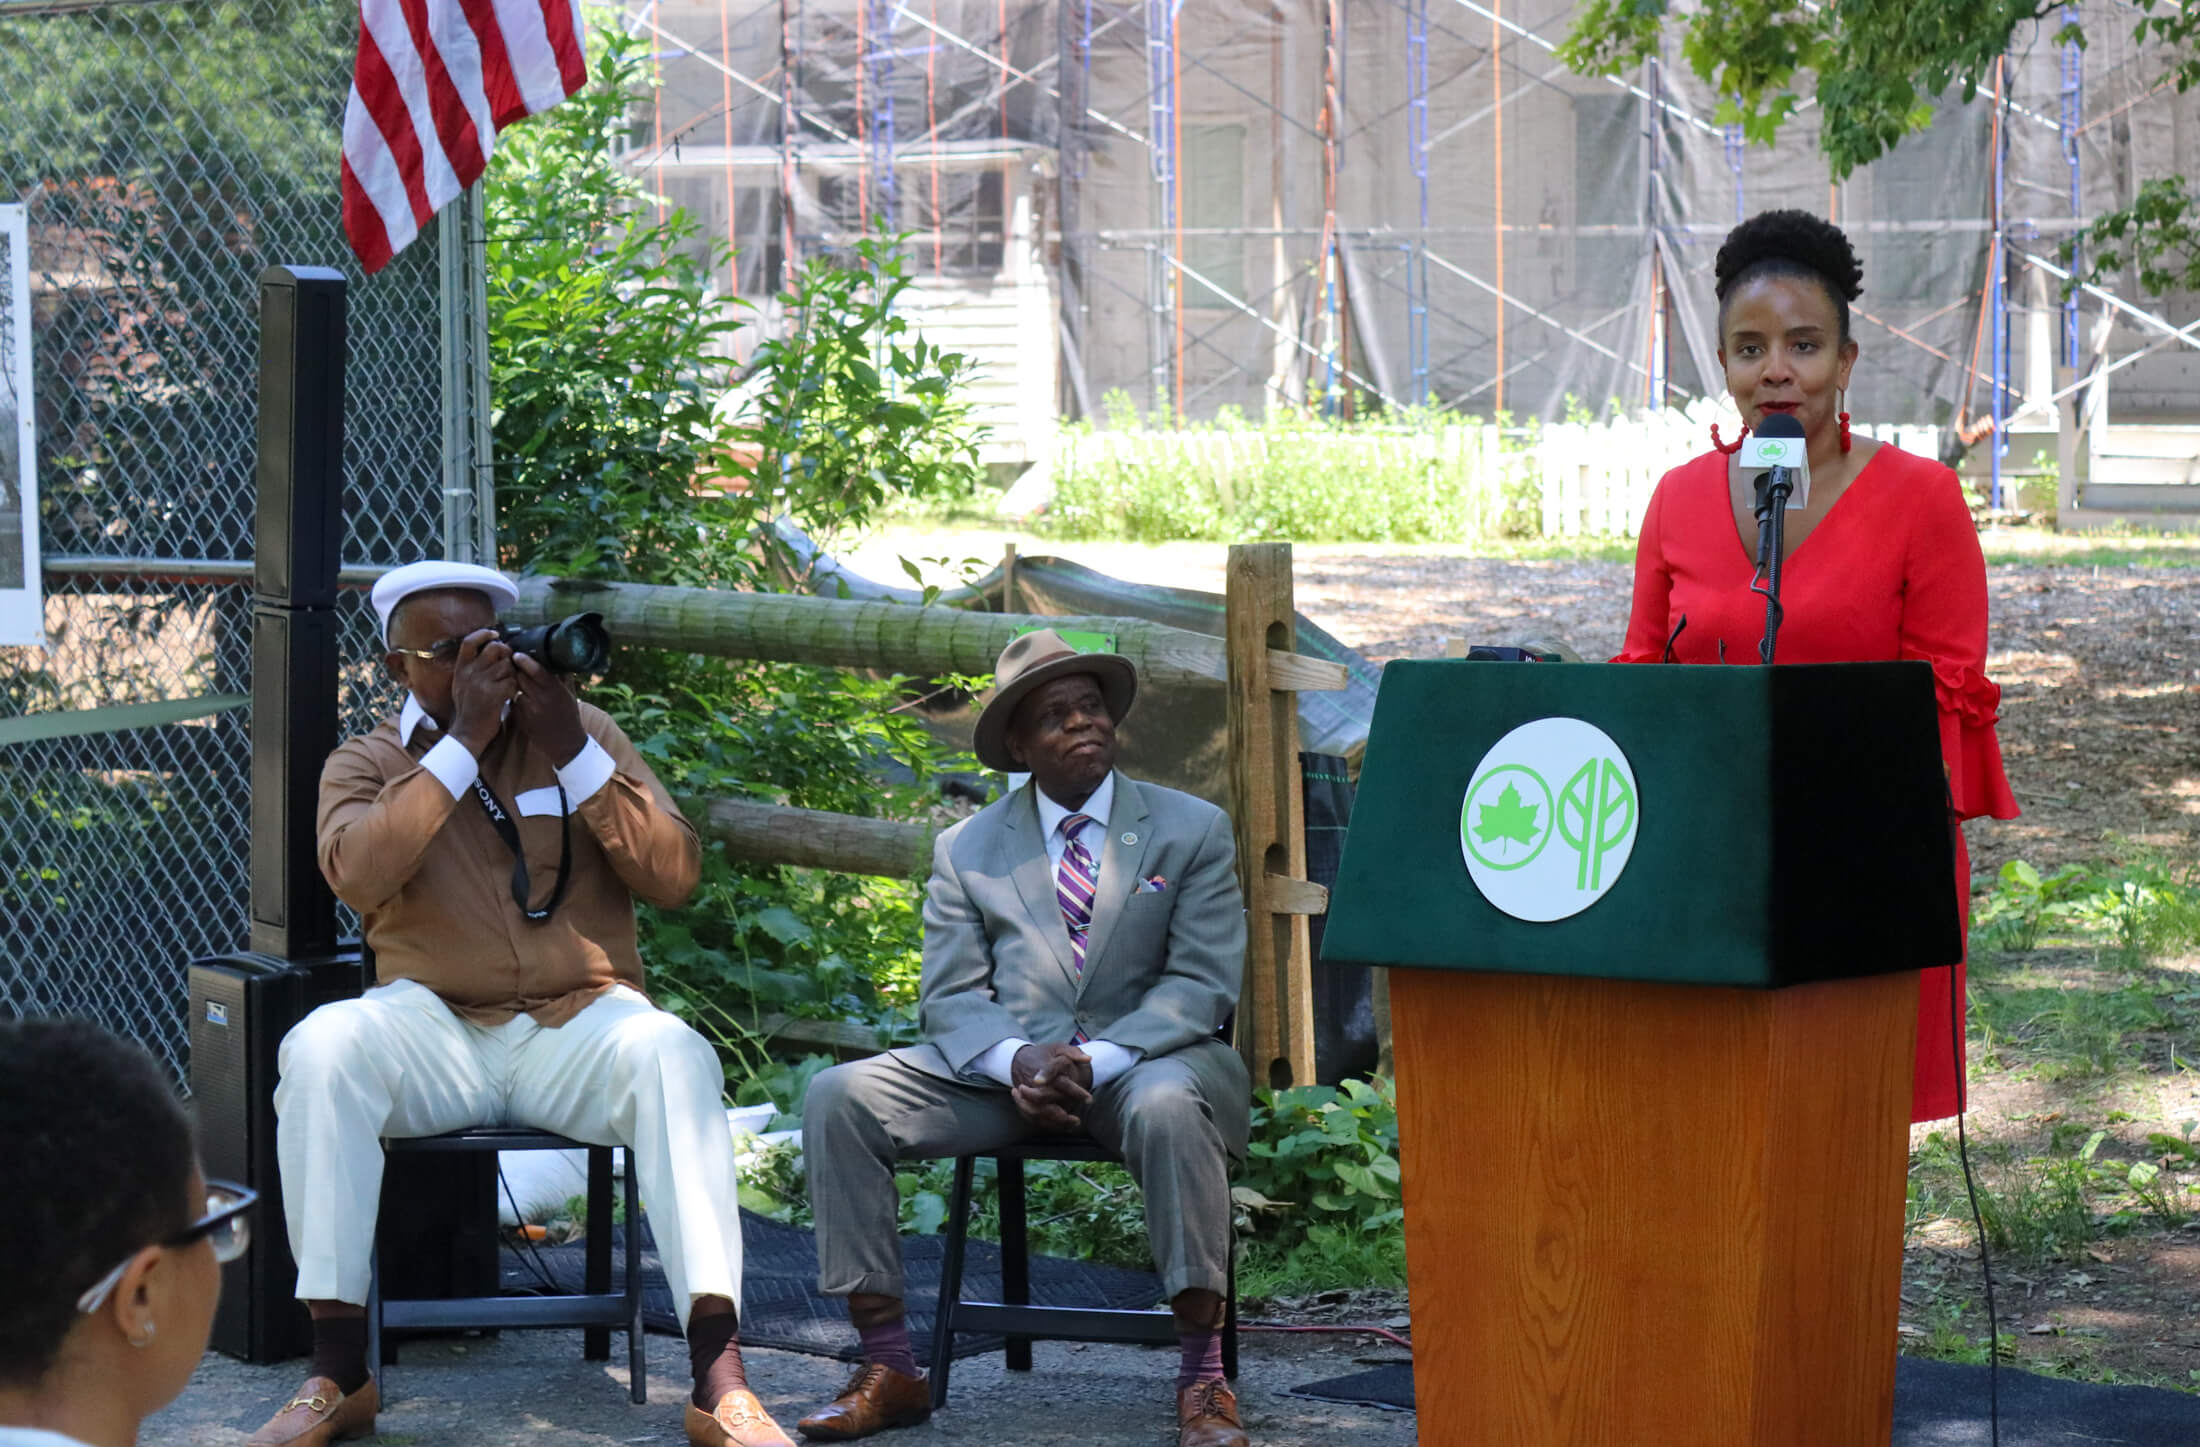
1883	563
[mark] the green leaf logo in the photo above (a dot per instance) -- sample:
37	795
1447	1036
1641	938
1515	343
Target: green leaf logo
1508	818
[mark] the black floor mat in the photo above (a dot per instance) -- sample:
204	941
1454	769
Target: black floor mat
1938	1404
781	1307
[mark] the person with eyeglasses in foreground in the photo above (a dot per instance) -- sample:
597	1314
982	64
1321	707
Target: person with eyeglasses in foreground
112	1244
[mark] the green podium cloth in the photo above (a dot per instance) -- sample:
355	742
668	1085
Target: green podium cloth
1780	824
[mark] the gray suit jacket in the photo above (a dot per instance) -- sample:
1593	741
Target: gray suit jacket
1162	967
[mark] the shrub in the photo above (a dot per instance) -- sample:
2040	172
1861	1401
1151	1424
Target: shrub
1426	477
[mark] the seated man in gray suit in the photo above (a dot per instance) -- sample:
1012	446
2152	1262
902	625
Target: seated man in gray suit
1083	940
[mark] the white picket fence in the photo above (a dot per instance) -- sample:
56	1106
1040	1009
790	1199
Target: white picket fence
1592	478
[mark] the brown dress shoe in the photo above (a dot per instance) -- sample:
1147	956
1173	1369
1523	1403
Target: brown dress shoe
875	1399
1207	1416
739	1421
320	1414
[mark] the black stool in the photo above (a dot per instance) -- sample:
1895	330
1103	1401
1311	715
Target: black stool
1015	1318
599	1309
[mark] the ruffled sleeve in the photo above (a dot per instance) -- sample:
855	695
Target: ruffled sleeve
1646	620
1970	703
1944	624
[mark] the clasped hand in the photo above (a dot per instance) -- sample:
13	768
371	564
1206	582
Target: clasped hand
489	677
1052	1084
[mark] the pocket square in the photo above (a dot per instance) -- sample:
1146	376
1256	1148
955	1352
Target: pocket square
1151	886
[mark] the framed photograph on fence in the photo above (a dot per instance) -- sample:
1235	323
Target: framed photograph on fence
21	610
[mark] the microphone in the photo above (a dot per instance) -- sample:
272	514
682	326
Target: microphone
1778	454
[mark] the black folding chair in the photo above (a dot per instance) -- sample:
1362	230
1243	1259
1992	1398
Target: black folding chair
598	1309
1014	1317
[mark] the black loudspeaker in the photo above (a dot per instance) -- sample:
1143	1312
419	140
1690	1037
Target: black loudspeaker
438	1226
299	530
299	535
294	728
241	1007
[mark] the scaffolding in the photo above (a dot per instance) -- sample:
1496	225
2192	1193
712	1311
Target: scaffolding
1448	217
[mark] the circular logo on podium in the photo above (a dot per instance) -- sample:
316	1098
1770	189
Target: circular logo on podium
1549	822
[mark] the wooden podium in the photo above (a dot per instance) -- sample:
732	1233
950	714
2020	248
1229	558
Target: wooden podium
1654	1149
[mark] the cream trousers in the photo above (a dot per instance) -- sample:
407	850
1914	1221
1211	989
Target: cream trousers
397	1062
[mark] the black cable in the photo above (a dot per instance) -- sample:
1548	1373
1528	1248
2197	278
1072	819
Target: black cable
1970	1187
533	1258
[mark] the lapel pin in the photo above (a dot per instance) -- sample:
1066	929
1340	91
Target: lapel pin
1130	839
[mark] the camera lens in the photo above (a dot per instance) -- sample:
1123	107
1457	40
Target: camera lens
579	644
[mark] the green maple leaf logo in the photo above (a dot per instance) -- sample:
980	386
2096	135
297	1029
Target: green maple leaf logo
1508	818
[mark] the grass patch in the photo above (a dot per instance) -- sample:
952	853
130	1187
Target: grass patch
1343	1261
2135	555
2051	1206
2056	1030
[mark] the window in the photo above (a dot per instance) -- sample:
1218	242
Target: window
968	234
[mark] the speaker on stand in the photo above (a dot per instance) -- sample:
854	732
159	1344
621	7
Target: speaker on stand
243	1004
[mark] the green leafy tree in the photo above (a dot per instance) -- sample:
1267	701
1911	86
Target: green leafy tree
632	445
1875	68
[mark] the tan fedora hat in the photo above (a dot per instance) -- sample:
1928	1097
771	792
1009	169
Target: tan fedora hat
1032	659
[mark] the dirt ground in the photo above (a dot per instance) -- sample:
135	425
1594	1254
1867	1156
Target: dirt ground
2098	657
2096	643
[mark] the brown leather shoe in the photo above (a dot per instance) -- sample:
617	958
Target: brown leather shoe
319	1414
1207	1416
739	1421
876	1398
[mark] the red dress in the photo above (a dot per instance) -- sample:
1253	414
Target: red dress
1894	571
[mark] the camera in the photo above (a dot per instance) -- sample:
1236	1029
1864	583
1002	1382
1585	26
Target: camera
579	644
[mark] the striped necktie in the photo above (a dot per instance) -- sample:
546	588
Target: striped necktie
1076	882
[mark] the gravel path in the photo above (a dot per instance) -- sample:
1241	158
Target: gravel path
531	1389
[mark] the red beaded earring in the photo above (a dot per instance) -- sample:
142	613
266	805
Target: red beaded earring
1842	402
1729	448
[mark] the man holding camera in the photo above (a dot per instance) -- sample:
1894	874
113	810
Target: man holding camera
492	838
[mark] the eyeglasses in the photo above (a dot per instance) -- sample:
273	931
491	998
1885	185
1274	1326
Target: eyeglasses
442	652
225	1224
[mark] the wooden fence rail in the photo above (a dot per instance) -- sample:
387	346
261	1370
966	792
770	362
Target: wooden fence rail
754	833
796	628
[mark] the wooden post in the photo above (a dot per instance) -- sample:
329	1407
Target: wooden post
1275	1010
1010	603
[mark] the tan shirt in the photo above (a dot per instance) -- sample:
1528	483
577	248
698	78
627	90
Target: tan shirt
432	879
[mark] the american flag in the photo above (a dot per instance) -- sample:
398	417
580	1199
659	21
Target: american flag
434	82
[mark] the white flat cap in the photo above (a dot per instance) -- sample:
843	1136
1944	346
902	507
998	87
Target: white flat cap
398	584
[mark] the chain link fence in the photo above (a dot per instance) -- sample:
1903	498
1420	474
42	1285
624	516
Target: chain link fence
166	153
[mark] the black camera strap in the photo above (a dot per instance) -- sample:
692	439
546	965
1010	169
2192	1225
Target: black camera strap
500	818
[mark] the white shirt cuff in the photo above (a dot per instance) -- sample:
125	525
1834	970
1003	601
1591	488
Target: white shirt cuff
1108	1060
590	770
454	764
999	1062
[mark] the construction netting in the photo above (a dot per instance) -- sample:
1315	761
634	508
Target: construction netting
1388	203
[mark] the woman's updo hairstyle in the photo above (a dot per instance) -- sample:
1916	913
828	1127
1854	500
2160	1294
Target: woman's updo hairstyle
1789	243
